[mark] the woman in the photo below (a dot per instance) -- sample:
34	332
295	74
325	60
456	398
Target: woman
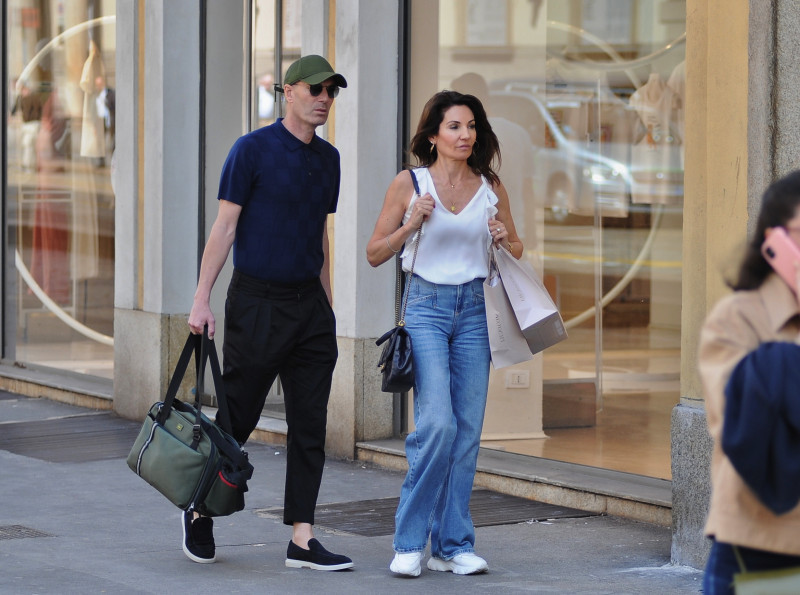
464	207
758	319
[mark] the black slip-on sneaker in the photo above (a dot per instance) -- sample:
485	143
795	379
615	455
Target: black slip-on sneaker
198	538
316	557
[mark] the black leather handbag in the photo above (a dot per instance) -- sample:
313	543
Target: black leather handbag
396	363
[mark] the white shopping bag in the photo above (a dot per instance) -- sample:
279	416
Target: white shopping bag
535	310
506	341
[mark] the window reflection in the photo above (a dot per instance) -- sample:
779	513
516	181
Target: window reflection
59	198
269	65
587	101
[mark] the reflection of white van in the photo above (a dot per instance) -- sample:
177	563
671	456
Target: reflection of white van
584	152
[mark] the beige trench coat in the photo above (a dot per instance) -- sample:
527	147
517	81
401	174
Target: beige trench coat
736	326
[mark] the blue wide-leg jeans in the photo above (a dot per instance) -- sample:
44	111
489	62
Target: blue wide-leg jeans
450	342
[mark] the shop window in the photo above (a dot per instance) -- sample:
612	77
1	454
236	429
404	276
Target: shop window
59	196
586	98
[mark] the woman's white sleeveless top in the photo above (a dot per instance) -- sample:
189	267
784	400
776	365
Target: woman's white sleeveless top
454	248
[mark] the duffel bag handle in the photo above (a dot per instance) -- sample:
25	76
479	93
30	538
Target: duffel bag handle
177	377
208	351
204	349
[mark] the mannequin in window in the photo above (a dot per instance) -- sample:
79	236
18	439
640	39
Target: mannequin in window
657	150
92	84
93	146
677	82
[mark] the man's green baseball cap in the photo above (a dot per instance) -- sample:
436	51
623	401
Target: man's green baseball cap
312	69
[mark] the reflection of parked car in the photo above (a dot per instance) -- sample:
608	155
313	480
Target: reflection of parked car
585	156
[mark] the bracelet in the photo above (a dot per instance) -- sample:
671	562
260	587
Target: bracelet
510	247
390	246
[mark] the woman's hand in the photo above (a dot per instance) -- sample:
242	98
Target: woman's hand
498	231
389	235
423	207
504	237
501	226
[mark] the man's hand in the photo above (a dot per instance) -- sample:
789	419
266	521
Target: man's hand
199	317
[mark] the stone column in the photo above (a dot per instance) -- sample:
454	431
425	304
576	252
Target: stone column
366	134
224	122
157	199
715	225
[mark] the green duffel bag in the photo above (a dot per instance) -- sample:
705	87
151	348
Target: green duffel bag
783	581
188	458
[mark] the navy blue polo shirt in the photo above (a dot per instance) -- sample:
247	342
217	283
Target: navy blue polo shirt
286	189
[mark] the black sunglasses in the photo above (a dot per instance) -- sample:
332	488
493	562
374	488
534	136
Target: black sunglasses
315	90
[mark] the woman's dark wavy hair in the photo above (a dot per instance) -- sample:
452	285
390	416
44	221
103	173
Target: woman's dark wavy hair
486	148
778	206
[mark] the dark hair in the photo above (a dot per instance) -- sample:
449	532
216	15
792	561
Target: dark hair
486	148
778	206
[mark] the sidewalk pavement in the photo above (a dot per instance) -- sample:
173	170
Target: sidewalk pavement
75	519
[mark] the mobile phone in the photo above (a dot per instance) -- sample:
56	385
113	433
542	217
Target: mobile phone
782	254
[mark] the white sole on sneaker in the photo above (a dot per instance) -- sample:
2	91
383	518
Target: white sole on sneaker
407	564
302	564
452	566
194	558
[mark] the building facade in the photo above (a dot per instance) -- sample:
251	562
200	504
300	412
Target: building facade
636	138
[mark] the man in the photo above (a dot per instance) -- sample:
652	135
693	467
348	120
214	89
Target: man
277	187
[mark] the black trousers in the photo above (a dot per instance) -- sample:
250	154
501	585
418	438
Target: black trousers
288	330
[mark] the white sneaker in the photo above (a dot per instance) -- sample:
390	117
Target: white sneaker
461	564
408	564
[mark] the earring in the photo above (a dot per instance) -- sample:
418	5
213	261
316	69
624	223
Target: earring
433	147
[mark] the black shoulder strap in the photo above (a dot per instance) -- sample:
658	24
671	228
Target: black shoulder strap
414	181
402	310
398	266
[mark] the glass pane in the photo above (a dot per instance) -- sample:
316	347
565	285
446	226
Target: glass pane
267	106
586	98
263	60
60	196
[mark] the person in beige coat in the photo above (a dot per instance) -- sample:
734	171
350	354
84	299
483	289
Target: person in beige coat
763	308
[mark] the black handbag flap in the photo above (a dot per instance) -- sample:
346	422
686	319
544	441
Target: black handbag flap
386	335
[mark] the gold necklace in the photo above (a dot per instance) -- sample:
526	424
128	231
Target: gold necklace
453	187
452	203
